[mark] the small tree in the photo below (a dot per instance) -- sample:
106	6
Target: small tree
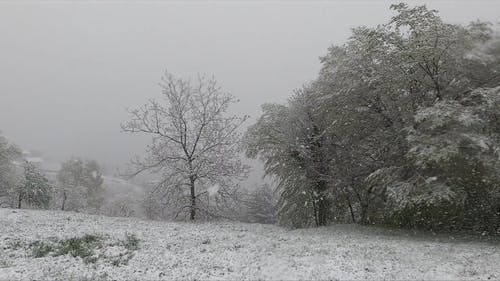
35	189
81	183
94	184
195	143
9	177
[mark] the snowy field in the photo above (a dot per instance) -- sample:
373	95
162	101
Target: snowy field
227	250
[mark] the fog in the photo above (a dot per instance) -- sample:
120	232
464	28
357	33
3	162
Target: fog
69	71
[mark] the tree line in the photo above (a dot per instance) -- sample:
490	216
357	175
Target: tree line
401	127
77	186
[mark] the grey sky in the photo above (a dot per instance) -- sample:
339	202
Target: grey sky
69	70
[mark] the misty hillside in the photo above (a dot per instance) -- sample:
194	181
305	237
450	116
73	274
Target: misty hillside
52	245
249	140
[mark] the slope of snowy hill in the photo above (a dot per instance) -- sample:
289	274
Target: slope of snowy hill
47	245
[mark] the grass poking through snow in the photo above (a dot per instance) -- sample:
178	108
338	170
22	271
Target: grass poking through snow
89	247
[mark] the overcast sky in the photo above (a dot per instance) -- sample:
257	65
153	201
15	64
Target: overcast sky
68	71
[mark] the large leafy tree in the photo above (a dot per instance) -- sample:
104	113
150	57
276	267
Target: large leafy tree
376	83
375	98
293	142
452	177
195	147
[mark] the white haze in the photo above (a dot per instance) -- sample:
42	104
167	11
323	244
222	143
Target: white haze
68	71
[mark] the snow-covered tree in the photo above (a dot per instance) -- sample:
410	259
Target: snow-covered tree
80	185
35	189
374	85
453	177
293	142
367	105
195	146
94	184
9	177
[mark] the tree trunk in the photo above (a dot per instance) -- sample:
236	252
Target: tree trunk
315	210
19	200
322	212
323	204
193	199
364	214
351	209
64	201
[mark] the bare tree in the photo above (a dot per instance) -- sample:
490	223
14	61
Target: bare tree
195	146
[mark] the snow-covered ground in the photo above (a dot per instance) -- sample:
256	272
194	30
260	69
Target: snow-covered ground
228	250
